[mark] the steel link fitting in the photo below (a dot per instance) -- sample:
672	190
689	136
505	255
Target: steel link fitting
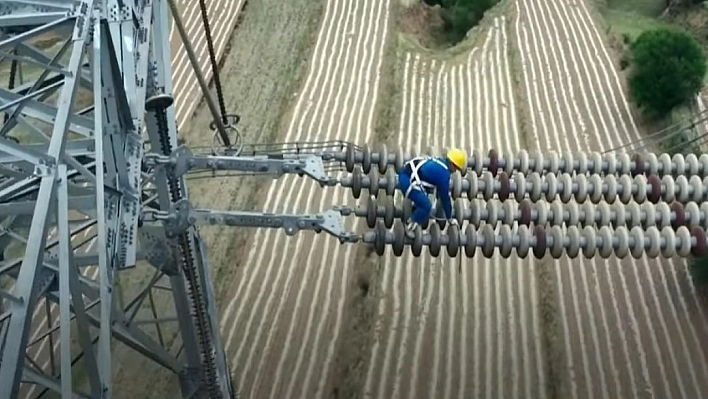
525	162
510	212
580	188
556	241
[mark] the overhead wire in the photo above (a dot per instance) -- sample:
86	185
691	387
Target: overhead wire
213	61
661	134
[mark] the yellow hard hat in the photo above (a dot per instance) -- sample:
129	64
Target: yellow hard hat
458	158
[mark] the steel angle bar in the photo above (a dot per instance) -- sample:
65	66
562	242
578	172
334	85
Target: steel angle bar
7	266
39	83
105	255
136	84
90	259
14	40
14	173
41	161
79	167
29	61
64	292
32	51
48	114
43	4
51	267
19	188
32	362
74	360
134	304
84	202
125	332
50	80
74	148
24	187
144	36
10	233
56	327
30	19
82	323
50	383
6	295
25	288
122	143
198	358
21	100
156	320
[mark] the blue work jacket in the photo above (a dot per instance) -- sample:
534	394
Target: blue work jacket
438	175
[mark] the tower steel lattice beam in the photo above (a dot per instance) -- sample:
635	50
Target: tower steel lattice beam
88	91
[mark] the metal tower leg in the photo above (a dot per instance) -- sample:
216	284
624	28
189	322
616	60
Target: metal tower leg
25	296
71	187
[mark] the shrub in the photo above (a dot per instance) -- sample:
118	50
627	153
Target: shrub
667	70
460	16
699	271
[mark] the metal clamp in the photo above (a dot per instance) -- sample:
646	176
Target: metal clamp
235	145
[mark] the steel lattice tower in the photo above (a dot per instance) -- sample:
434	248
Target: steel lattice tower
93	188
88	82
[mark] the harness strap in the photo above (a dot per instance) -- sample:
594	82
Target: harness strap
416	182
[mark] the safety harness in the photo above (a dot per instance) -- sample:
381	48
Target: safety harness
413	166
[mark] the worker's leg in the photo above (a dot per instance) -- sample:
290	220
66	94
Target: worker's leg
404	183
422	206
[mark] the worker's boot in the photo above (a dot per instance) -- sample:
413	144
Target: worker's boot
410	229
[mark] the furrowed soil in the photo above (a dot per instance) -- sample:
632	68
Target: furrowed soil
354	349
265	59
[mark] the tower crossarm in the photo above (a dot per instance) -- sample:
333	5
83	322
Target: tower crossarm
182	161
182	215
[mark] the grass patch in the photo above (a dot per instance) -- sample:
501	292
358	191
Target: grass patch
682	142
632	23
355	345
649	8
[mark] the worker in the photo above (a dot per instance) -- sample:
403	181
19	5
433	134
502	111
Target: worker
423	173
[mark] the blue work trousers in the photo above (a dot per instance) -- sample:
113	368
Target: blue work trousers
419	198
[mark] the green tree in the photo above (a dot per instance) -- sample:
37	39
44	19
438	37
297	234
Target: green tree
699	271
667	70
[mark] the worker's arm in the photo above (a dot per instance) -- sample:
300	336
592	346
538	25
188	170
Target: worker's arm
443	185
